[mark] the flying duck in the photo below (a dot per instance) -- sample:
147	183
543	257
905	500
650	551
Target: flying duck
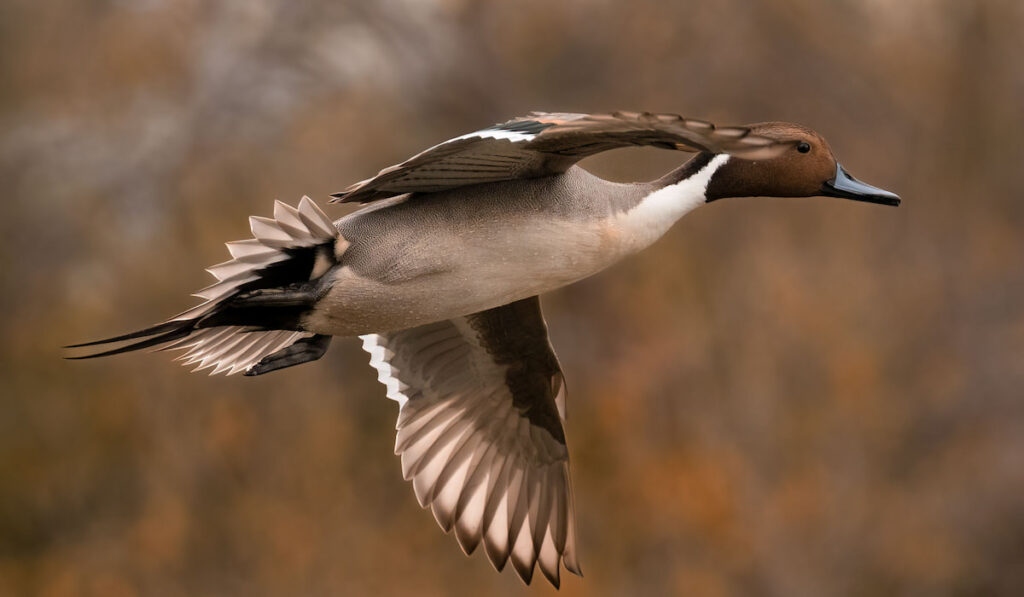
439	275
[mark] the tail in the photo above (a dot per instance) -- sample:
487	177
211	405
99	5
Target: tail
249	320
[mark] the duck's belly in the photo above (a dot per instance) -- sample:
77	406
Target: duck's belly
457	271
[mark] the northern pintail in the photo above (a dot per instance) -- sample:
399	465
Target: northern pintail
440	276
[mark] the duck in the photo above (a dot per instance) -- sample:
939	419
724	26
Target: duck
439	274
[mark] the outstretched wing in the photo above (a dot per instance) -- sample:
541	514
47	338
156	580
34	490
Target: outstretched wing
480	433
543	144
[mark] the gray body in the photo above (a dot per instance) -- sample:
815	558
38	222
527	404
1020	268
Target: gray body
411	260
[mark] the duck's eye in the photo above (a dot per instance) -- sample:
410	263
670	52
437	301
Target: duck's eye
803	147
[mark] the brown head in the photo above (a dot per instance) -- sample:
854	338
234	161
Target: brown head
807	168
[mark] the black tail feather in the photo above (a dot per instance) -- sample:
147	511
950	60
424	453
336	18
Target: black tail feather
281	309
150	331
157	334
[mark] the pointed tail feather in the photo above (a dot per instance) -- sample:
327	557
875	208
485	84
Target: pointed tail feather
291	249
152	336
159	328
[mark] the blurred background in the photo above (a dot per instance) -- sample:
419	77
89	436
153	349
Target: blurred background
782	397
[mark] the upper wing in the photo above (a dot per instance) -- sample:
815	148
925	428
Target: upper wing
480	435
543	144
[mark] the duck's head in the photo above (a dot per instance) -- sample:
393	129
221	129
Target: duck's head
807	168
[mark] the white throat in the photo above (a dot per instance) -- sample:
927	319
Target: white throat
655	214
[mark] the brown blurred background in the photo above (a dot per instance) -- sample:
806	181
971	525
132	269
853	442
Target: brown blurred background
782	397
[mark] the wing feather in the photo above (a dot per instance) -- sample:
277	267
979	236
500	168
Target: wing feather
479	432
543	144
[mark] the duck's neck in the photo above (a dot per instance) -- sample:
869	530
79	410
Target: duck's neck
687	170
671	197
684	189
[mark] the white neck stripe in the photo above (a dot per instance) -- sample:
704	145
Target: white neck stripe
688	193
655	214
